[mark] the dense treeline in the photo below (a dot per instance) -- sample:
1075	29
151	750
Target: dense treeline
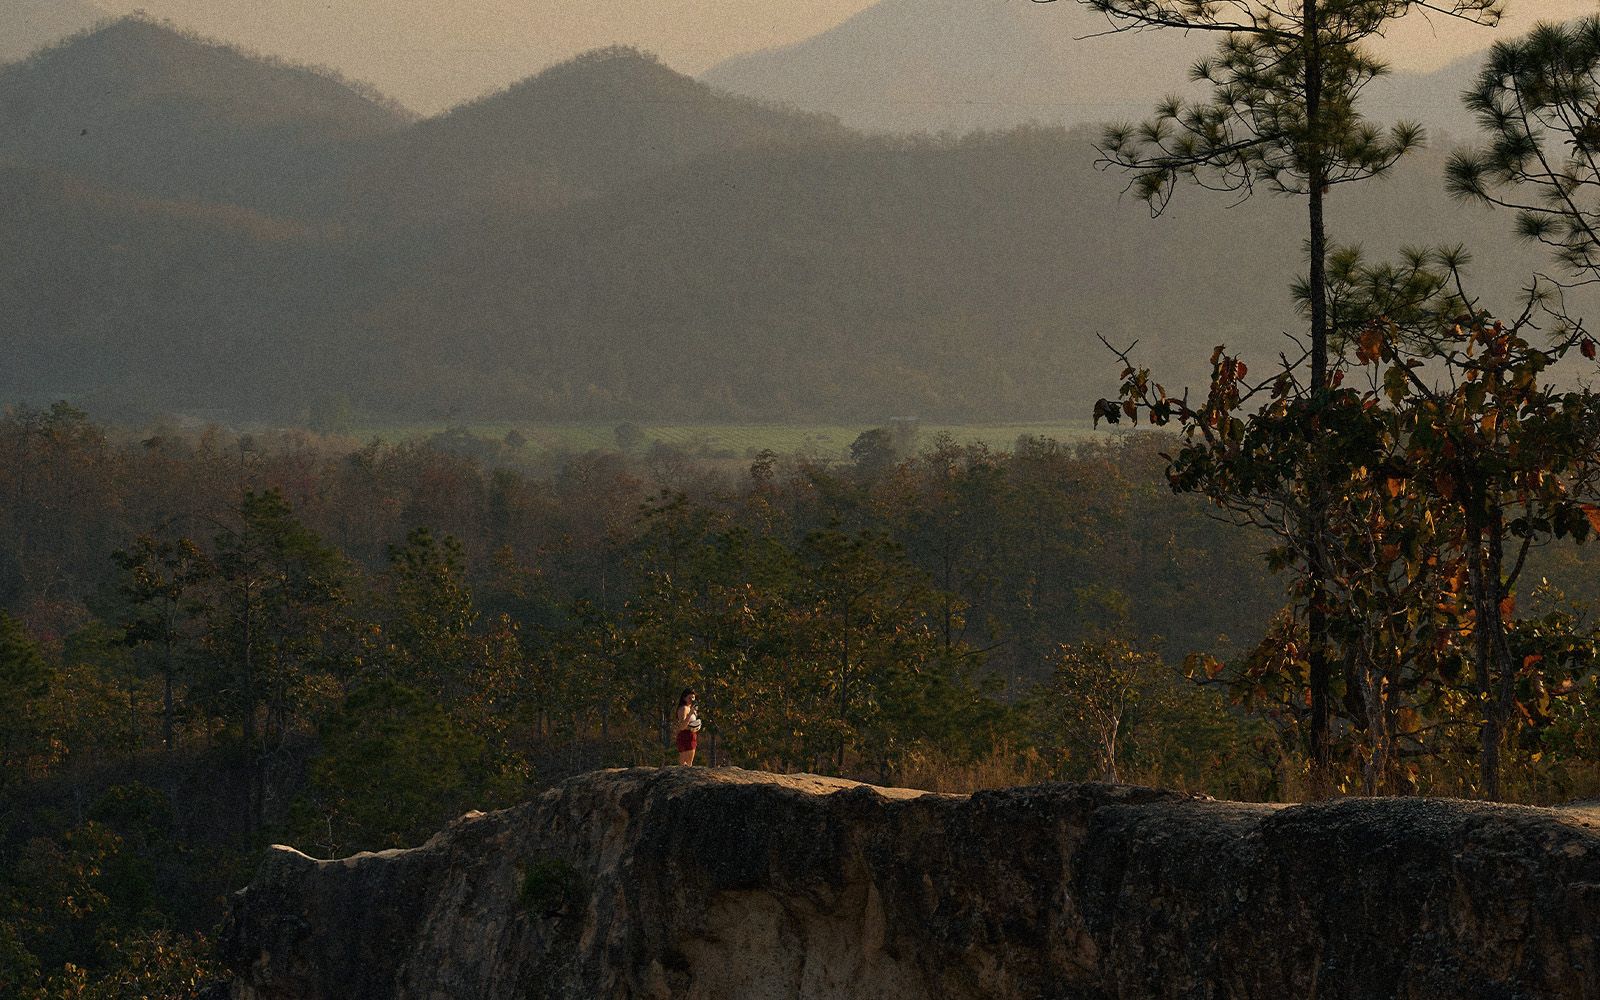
211	641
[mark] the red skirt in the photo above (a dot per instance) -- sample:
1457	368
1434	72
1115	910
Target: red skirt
687	740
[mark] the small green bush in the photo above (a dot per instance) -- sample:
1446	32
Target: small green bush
550	886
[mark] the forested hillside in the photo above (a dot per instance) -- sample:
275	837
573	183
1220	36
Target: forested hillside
211	643
128	302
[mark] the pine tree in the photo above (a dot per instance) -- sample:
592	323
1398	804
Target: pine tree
1536	101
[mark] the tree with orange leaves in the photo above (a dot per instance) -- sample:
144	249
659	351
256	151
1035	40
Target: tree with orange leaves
1449	453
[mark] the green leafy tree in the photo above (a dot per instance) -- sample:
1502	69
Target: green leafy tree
53	897
393	767
54	460
1558	643
1450	460
161	581
950	527
1093	690
803	648
429	615
279	593
141	966
1110	710
1482	459
868	610
78	920
24	682
666	640
1063	502
733	604
1512	461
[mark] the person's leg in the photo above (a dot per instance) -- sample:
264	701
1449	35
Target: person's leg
686	757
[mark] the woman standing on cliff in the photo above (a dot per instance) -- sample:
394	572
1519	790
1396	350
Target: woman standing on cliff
687	727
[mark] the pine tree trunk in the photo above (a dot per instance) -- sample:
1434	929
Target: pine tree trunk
1317	497
166	696
1504	700
254	753
844	699
1483	666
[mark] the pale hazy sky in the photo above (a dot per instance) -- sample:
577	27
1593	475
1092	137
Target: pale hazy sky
434	53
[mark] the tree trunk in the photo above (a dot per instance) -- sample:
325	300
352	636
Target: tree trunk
1496	672
1493	669
1379	746
1111	751
1505	701
1489	727
256	763
166	695
844	699
1316	488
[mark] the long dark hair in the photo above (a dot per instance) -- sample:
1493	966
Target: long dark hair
683	699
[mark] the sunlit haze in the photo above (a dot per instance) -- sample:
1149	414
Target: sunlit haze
431	55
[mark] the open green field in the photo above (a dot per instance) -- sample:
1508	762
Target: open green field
827	441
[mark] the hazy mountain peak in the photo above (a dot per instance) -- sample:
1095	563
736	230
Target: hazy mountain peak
614	75
613	61
608	117
141	105
136	58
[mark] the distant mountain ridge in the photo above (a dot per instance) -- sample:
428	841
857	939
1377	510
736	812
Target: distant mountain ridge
1431	98
959	65
185	227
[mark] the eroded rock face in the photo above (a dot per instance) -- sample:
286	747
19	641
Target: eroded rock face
734	885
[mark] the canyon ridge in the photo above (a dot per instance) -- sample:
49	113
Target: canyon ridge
721	884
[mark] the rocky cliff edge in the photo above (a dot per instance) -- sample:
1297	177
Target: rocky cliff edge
734	885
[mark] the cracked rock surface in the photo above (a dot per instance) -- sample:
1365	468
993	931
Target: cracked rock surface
722	884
